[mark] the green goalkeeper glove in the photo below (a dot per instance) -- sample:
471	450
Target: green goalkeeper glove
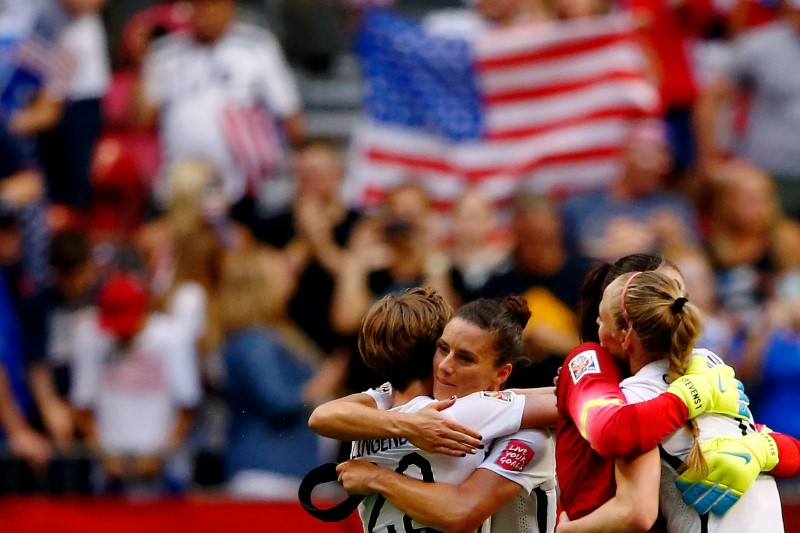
733	465
711	390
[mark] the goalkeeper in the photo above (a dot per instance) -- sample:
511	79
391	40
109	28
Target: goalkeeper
647	318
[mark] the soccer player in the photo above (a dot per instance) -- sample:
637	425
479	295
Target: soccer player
348	419
586	472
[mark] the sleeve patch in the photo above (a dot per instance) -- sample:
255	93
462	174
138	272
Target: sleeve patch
385	389
582	364
502	396
515	457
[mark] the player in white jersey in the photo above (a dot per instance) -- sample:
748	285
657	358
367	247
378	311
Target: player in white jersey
474	356
759	509
525	458
219	92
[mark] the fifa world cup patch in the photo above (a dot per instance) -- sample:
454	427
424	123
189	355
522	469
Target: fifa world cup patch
384	389
582	364
502	396
515	456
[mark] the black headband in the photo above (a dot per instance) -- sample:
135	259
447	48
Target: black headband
318	476
678	304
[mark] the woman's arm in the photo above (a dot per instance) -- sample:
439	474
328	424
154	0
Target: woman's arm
452	508
634	507
356	417
589	389
540	408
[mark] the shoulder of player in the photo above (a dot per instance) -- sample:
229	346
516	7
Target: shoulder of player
589	359
537	439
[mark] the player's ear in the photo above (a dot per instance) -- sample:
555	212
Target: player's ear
502	374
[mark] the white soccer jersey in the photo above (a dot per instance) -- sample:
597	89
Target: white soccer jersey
527	458
492	414
757	511
219	102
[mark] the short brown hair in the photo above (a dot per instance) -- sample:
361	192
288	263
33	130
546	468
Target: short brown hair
399	334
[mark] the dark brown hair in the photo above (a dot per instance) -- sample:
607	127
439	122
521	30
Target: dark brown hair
601	277
506	318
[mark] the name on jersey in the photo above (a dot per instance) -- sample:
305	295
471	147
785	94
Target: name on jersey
502	396
373	446
515	457
582	364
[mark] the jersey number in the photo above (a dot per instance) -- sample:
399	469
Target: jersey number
412	459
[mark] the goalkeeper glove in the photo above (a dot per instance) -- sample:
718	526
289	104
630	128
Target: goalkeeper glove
713	390
733	465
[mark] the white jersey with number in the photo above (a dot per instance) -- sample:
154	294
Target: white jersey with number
528	459
760	507
492	414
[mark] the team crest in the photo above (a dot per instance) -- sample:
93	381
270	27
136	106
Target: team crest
502	396
582	364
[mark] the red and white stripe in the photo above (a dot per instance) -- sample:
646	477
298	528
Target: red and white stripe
254	141
558	102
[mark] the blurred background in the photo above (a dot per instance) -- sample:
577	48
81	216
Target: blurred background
200	199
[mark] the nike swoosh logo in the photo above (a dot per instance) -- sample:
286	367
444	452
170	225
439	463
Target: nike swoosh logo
744	456
719	381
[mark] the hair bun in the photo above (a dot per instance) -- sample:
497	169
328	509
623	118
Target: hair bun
517	307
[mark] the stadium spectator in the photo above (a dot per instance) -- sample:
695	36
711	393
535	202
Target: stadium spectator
542	269
477	250
749	241
762	66
394	251
275	376
22	440
135	384
314	233
60	309
197	205
68	147
770	362
636	213
38	68
218	93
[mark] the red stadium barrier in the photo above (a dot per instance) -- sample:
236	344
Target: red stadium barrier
98	515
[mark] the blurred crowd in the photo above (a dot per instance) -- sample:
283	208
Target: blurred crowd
181	282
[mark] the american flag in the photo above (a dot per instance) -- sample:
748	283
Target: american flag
254	141
542	106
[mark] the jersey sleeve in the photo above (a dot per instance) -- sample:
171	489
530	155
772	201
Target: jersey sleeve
589	390
491	413
527	458
788	454
383	396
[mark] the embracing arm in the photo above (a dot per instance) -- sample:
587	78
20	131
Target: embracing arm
615	429
634	507
356	417
540	407
450	508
